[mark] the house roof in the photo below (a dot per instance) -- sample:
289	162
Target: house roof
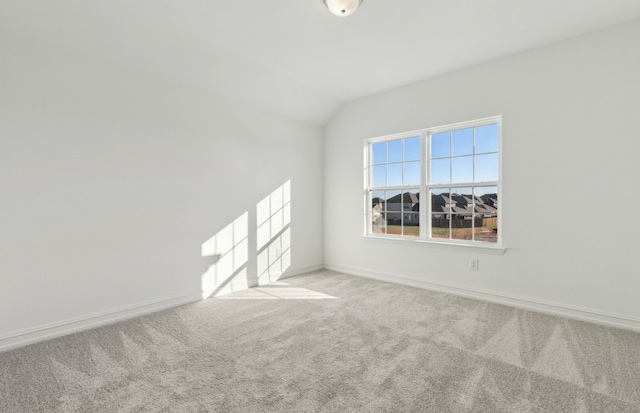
377	201
459	203
464	204
407	198
293	58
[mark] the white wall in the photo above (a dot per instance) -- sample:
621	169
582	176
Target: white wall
571	173
110	182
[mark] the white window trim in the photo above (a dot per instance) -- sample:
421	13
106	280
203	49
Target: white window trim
479	247
425	223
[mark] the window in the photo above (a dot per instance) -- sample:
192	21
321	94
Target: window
454	170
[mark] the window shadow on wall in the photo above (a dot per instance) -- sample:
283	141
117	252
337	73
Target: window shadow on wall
229	249
273	234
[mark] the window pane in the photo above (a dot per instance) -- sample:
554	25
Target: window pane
440	226
379	151
440	202
395	150
411	173
462	226
378	218
412	149
486	213
441	171
485	199
486	167
394	227
393	201
462	142
440	145
395	174
394	212
378	226
462	169
410	216
379	175
394	223
486	228
411	224
461	201
410	201
392	197
487	138
416	207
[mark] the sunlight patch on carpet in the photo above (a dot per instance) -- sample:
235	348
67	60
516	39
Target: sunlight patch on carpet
276	291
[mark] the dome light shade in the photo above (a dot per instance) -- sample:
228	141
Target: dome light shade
342	7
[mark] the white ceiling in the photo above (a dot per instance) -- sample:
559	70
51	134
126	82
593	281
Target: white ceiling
294	58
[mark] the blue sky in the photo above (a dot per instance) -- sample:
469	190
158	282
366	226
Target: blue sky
453	153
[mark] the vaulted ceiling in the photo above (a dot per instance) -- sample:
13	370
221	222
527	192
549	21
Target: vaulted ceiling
292	57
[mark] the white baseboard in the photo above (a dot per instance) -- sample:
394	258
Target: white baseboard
264	279
25	337
298	271
271	277
48	331
229	288
45	332
574	312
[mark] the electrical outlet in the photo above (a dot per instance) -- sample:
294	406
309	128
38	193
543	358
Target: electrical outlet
474	263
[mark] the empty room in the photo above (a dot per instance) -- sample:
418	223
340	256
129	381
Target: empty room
319	206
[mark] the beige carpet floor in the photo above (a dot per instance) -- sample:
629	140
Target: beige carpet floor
329	342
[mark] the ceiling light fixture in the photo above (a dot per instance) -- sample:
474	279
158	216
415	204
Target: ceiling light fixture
342	7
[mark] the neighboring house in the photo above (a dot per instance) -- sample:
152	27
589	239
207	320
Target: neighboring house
462	207
407	203
377	211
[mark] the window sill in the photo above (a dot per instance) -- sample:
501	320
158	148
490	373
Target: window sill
451	246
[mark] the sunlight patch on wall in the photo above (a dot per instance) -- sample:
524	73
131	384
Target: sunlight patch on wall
230	249
273	237
277	291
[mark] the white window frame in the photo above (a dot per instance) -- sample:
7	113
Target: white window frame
425	187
